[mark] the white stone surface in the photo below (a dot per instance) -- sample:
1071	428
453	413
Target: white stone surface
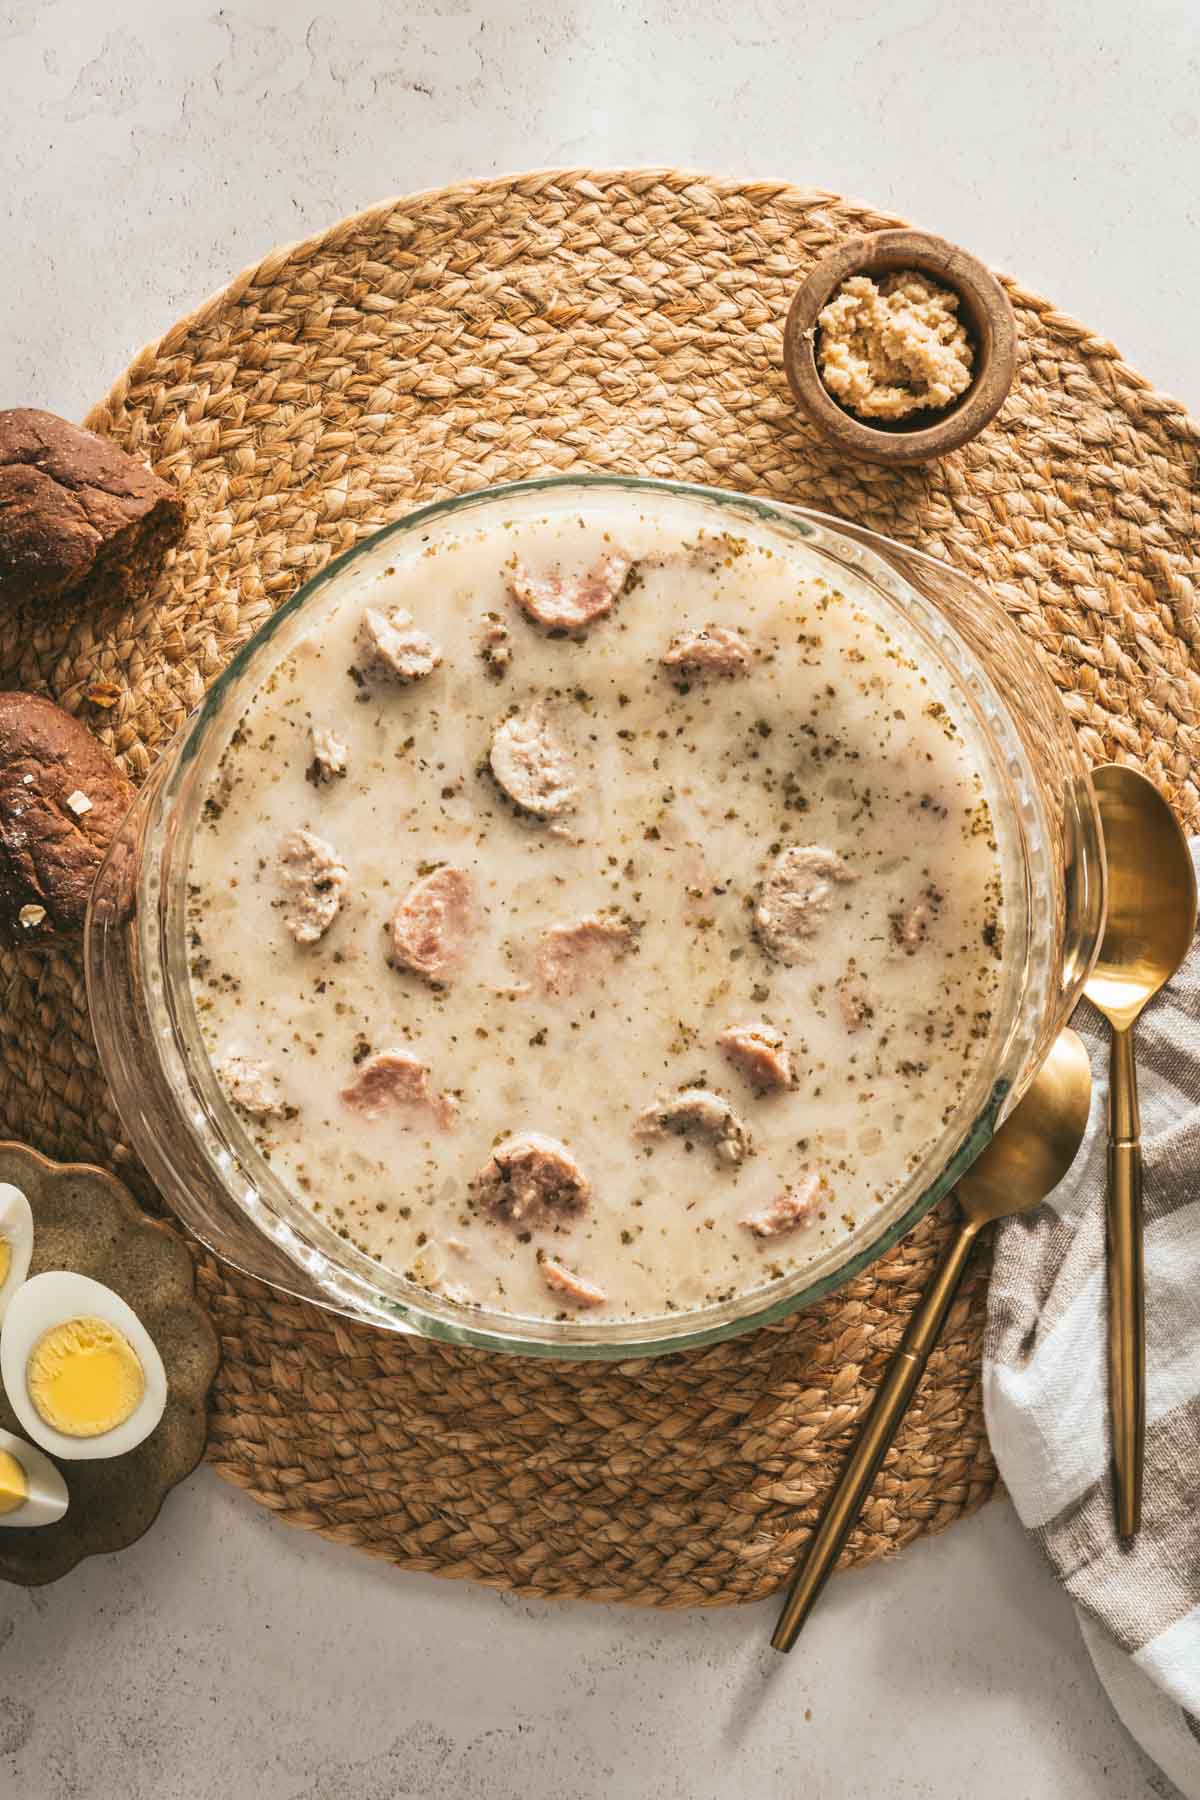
227	1655
149	149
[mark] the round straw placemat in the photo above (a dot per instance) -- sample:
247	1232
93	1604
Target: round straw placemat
624	321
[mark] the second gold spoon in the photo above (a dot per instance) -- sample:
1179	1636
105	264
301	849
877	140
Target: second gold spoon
1150	922
1029	1155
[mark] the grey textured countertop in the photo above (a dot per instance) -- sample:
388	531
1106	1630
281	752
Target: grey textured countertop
153	147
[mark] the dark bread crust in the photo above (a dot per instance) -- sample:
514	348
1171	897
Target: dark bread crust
49	854
77	515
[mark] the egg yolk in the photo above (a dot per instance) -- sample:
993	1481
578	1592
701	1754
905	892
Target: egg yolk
5	1260
14	1489
84	1378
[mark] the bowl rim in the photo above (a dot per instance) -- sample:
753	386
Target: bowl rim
989	319
425	1314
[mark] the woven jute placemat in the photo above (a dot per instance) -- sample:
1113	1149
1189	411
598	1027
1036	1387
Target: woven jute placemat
625	321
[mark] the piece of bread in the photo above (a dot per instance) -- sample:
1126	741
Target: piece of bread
78	518
62	800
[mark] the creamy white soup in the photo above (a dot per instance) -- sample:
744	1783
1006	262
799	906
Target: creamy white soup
595	915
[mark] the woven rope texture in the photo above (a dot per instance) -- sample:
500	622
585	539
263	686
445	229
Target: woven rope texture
622	321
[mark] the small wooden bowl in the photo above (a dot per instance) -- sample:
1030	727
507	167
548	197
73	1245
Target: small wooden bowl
983	308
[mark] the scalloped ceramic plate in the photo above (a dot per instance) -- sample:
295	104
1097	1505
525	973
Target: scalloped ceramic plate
83	1219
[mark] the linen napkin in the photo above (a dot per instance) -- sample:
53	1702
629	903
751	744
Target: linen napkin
1046	1387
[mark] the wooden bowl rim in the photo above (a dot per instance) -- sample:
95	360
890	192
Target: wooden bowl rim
988	316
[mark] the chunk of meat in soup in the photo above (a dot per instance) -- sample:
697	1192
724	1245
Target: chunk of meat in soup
495	645
911	928
794	1207
697	1114
328	755
391	645
796	898
314	880
855	1008
713	650
571	957
531	1180
572	1287
759	1053
432	924
533	766
391	1081
252	1087
561	602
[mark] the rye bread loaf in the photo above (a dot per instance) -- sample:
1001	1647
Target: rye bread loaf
79	519
62	799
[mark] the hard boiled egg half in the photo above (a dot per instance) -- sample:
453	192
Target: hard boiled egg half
79	1368
16	1242
32	1492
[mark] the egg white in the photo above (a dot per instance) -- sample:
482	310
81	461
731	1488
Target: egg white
16	1230
46	1501
53	1299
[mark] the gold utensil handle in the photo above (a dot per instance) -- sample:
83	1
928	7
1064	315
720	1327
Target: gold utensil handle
889	1406
1126	1287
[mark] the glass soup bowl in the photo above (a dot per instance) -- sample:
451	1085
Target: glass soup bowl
203	1160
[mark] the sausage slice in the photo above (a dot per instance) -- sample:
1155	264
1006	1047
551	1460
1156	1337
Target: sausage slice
713	650
856	1009
572	1287
794	1207
328	755
566	602
531	1180
695	1113
533	766
252	1087
392	1079
313	878
391	646
796	898
569	957
432	924
759	1053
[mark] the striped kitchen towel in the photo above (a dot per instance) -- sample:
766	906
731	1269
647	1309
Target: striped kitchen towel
1046	1389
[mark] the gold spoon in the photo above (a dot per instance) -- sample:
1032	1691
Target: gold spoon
1029	1155
1150	923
